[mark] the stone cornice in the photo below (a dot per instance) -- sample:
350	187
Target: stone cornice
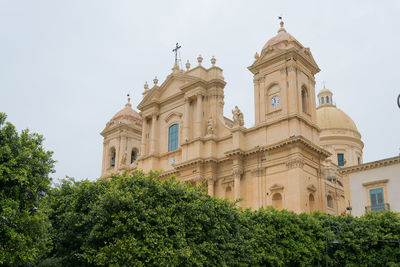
294	140
371	165
283	55
195	161
118	126
286	118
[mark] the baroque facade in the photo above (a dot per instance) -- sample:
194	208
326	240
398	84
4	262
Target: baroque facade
288	159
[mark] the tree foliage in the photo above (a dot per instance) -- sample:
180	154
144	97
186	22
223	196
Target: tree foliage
139	220
24	180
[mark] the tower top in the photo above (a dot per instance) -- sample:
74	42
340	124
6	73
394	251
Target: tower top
128	104
281	29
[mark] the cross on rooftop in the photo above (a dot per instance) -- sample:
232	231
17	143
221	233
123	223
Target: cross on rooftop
175	50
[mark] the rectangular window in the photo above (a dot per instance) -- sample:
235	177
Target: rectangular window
340	159
377	199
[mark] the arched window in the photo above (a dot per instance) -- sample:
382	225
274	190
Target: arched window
112	157
311	202
173	134
329	201
304	99
327	99
322	100
277	200
133	156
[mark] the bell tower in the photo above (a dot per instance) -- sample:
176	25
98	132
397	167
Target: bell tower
284	92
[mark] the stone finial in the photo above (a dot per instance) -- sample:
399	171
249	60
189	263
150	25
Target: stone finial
213	60
199	59
129	101
256	56
187	65
281	29
176	66
155	80
146	86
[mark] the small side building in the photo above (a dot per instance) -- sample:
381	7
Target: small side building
374	186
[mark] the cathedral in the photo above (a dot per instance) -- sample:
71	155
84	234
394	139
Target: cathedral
291	158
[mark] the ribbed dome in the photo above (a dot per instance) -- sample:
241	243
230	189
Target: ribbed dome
330	117
127	113
283	40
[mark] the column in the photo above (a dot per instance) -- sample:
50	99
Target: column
186	125
143	142
257	96
153	134
236	184
263	102
199	116
103	166
210	184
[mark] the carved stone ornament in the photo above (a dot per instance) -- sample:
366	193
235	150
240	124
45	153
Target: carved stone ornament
237	171
276	187
210	126
311	188
295	163
237	116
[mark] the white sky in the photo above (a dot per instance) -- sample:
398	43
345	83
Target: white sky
66	66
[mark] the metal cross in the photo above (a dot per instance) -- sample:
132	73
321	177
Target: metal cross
175	50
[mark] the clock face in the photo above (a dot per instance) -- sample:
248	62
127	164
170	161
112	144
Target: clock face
275	101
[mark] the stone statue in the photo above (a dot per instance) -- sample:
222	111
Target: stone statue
237	116
210	126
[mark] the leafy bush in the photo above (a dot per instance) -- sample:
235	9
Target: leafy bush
139	220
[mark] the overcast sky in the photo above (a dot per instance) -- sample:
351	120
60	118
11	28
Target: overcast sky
66	66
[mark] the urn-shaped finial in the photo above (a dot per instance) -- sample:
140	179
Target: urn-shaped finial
155	80
187	65
146	86
199	59
213	60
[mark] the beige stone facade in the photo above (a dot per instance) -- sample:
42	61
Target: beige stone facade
284	160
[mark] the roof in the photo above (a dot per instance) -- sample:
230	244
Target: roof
282	40
371	165
331	117
323	91
127	113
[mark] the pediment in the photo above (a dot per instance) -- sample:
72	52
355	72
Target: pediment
173	114
276	187
170	87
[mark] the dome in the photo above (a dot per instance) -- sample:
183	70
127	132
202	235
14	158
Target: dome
283	40
325	91
127	114
330	117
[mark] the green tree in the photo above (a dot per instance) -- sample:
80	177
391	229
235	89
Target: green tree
24	180
138	220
